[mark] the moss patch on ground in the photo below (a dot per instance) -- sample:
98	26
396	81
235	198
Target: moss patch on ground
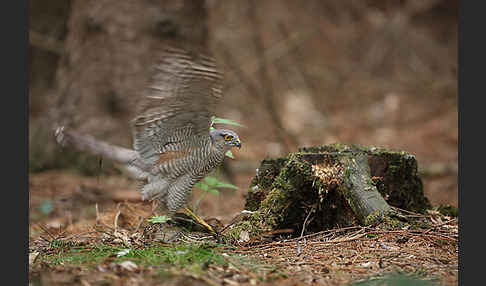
183	256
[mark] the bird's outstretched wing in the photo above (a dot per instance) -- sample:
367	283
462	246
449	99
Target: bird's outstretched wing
177	106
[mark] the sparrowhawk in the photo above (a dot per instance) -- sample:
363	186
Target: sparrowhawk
173	146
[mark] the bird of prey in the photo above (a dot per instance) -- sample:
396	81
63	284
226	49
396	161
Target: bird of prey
174	145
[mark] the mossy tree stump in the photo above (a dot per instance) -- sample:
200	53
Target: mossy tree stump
330	186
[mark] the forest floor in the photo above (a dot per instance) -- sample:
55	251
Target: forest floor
94	231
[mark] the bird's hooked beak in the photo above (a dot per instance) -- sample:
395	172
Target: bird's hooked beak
237	143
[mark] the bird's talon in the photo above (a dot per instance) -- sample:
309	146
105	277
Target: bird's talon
200	220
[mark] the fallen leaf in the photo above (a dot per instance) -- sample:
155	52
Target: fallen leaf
244	236
33	257
123	252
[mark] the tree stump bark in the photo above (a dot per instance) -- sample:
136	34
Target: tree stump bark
330	186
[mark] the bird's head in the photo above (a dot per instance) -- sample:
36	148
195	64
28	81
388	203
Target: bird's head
225	138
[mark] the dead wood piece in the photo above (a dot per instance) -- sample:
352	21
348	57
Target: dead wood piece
346	185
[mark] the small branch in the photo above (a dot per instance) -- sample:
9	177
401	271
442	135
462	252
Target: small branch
299	248
305	222
115	223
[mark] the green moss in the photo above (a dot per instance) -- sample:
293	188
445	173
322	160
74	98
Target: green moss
396	178
184	256
60	244
448	210
394	173
79	255
421	224
254	226
285	190
293	193
390	222
336	147
373	218
261	184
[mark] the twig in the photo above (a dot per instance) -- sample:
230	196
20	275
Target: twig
116	217
76	235
305	222
299	248
46	231
140	221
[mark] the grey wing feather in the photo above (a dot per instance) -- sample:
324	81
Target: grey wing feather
178	104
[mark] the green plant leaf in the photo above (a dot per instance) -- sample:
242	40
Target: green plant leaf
158	219
213	191
229	154
218	120
212	181
201	185
226	185
204	187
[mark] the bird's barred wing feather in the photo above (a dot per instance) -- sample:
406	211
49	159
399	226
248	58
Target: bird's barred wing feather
178	104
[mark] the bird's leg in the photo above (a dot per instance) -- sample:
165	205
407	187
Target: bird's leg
200	220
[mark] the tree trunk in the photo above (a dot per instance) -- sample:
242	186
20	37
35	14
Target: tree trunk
109	51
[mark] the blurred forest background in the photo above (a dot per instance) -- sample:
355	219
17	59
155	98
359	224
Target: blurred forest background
297	73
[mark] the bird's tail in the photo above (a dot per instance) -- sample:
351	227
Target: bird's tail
129	159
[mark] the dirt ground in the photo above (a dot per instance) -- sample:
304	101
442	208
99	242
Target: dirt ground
89	213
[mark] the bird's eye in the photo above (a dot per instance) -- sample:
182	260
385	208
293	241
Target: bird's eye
228	137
